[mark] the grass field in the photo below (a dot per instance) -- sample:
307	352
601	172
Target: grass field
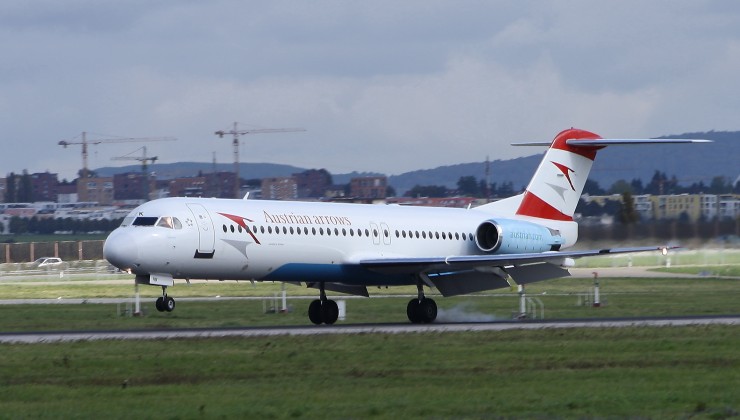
667	372
560	298
689	372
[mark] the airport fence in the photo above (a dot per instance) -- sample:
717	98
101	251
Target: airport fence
66	250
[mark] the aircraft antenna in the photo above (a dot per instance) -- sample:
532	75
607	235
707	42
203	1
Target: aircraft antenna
236	133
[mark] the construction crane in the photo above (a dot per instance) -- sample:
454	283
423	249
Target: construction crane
236	133
84	142
144	159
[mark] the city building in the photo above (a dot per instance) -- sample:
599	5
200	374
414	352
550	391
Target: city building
280	188
313	183
99	190
131	186
372	187
45	186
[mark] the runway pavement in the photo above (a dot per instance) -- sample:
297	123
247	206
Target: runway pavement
67	336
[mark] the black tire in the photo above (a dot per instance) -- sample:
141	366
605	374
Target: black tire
427	311
169	304
329	312
159	303
314	312
413	311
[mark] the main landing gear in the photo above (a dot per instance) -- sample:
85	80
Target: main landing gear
323	310
421	310
164	302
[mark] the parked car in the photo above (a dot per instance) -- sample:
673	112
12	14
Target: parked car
48	262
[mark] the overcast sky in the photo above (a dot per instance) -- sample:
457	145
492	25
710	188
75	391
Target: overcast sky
387	86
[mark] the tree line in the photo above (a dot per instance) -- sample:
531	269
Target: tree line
659	184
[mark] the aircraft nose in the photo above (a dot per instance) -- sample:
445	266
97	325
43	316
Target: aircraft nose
120	249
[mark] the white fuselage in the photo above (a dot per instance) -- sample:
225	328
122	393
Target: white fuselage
226	239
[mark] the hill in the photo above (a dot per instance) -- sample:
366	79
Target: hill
689	163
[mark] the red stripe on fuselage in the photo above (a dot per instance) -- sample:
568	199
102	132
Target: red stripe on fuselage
536	207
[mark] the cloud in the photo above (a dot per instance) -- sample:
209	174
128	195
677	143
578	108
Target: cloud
380	86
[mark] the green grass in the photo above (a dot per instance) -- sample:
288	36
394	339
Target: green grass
712	270
677	257
562	298
668	372
577	373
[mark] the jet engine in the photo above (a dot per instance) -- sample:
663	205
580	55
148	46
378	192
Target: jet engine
506	236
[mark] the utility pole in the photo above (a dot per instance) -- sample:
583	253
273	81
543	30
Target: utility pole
236	133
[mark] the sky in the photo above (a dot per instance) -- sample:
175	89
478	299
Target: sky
382	86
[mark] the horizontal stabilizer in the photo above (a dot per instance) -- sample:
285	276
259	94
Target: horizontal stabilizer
614	142
619	142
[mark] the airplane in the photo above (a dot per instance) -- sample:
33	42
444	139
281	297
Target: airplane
347	248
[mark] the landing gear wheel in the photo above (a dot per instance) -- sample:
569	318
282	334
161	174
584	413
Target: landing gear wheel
427	310
412	311
169	304
422	311
159	303
314	312
329	312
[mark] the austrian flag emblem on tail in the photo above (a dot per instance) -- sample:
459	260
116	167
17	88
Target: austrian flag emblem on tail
241	221
566	171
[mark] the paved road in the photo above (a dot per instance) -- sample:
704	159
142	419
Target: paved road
51	337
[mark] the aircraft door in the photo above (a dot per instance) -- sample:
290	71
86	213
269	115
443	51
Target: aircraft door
206	233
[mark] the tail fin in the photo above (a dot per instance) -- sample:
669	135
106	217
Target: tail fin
558	183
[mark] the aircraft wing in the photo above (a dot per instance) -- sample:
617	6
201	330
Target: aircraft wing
455	275
416	265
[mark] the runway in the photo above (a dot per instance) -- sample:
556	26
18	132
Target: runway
67	336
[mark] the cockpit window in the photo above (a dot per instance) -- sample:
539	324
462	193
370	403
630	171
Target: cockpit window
145	221
127	221
169	223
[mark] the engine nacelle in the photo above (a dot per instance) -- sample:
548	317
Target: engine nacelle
506	236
